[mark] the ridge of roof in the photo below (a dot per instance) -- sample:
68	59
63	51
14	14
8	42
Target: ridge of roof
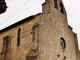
19	22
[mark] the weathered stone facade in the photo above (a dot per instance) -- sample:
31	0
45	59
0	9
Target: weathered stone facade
45	36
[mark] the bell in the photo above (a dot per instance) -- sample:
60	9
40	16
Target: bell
3	7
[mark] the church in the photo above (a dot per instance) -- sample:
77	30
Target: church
44	36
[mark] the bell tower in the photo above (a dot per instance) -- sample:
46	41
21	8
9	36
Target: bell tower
52	5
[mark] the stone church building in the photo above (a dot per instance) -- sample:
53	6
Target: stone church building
44	36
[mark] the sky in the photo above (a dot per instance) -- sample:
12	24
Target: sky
73	15
20	9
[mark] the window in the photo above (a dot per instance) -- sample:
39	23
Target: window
18	37
62	8
6	49
5	41
62	43
55	3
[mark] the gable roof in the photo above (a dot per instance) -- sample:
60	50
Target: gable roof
19	11
19	22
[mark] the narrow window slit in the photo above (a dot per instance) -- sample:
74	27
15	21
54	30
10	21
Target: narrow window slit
62	8
55	3
18	37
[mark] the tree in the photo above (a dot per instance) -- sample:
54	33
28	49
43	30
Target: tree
3	6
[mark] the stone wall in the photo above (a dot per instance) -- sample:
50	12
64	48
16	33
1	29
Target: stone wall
20	52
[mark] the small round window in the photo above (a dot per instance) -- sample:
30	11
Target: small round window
62	43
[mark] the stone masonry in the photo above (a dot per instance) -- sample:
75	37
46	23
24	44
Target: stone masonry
45	36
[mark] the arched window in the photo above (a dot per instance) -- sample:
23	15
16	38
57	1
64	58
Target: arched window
62	43
6	48
62	8
55	3
18	37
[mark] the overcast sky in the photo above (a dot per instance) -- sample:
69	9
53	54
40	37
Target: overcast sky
73	15
20	9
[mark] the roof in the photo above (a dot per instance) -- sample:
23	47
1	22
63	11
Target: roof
23	10
19	22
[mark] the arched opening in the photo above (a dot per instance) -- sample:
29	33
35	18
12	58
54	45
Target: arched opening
18	37
61	8
62	43
55	3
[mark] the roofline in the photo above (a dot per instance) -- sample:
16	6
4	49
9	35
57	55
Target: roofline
19	22
70	27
